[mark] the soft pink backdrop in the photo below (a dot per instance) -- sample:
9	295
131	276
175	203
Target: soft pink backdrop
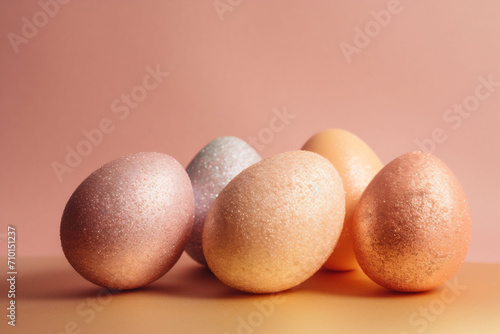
226	77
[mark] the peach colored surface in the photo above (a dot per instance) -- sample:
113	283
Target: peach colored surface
234	73
54	299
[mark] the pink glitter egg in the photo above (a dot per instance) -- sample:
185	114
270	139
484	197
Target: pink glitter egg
411	227
128	222
210	171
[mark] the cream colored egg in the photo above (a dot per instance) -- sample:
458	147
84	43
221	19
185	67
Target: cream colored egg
275	224
357	164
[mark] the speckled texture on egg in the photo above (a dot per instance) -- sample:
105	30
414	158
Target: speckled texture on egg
357	164
210	171
275	224
127	223
412	225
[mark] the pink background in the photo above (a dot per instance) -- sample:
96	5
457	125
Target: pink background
226	78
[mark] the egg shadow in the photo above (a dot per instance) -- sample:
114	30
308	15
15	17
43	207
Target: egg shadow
195	281
59	284
352	283
191	280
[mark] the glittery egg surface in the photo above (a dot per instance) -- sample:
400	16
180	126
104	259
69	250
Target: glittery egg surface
275	224
128	222
210	171
411	228
357	164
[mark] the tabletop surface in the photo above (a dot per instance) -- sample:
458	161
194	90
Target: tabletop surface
52	298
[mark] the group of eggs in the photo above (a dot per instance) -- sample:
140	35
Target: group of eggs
264	226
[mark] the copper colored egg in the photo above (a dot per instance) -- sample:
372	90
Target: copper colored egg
357	164
127	223
275	224
210	171
412	226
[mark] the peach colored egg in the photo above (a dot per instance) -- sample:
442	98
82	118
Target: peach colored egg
412	226
127	223
210	171
357	164
275	224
